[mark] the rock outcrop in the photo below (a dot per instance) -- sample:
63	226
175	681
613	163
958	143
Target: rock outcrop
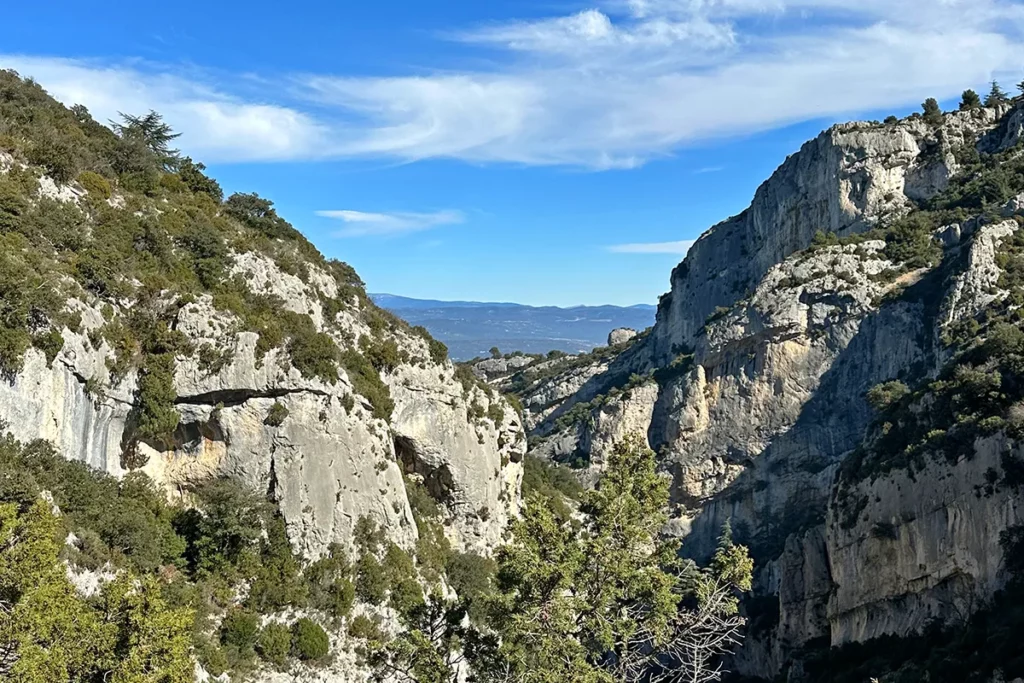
327	463
620	335
758	366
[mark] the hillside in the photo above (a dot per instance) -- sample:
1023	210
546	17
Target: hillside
247	432
470	329
837	372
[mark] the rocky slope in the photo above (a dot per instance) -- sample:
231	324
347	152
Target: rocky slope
150	325
329	462
860	261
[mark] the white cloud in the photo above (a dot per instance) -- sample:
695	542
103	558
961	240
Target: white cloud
215	126
680	248
362	223
591	32
608	87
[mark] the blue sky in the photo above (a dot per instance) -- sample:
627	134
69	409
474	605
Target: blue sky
545	152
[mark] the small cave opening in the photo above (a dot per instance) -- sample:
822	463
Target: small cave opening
438	481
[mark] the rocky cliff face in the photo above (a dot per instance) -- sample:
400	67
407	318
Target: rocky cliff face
327	463
752	387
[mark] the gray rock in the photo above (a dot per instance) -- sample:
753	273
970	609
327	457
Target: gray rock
620	335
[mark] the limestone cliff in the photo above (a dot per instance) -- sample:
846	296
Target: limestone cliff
860	261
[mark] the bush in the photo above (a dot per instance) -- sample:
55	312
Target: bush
96	185
422	503
366	382
315	355
240	628
274	643
406	596
330	585
154	413
371	580
932	113
551	482
383	354
471	576
970	100
309	640
276	415
365	628
881	396
438	351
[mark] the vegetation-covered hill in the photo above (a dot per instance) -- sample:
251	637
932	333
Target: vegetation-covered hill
340	543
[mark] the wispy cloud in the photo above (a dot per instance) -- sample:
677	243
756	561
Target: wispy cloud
679	248
609	87
215	126
362	223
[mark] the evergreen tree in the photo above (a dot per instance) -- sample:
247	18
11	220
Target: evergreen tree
995	96
606	598
1020	87
152	132
49	634
46	633
970	100
932	113
430	648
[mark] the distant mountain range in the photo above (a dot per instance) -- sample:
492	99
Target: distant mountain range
471	328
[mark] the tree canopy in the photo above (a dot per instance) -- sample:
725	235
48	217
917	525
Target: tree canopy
597	598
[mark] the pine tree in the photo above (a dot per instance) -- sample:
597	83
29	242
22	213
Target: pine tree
932	113
151	131
49	634
995	96
970	100
606	598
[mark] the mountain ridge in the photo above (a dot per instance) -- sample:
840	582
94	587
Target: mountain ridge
396	301
470	329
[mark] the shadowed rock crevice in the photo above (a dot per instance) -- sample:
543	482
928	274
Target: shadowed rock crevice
438	481
235	397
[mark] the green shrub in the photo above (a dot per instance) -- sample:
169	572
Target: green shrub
277	576
154	413
274	643
406	596
276	415
330	584
397	564
496	413
365	628
881	396
371	580
368	535
240	629
472	576
551	482
438	351
315	355
192	176
96	185
432	548
50	343
969	100
383	354
366	382
421	502
309	640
